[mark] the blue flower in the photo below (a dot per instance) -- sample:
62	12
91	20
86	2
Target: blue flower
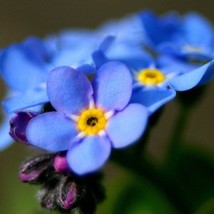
190	36
24	69
155	81
137	59
25	66
73	48
127	30
89	118
156	84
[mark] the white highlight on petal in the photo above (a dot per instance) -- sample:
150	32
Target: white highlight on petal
74	117
109	114
91	103
102	133
80	135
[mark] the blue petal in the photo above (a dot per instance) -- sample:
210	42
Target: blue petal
113	86
69	90
89	154
87	69
132	56
127	126
198	30
73	57
21	69
51	131
38	49
153	98
75	38
152	27
175	66
5	138
193	78
127	30
107	41
161	29
26	100
99	58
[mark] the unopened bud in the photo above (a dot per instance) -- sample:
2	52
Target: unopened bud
18	125
68	193
46	197
61	164
36	169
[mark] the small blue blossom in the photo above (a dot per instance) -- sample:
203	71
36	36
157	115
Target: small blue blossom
157	84
190	36
73	48
155	81
89	118
25	66
24	69
127	30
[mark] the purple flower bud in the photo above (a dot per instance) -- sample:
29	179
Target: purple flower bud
46	197
18	125
68	193
61	164
35	169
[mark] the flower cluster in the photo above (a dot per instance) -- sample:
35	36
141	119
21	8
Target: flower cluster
84	92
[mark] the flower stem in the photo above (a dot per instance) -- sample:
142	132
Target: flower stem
178	132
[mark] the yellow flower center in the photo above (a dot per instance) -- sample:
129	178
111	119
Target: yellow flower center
150	77
91	121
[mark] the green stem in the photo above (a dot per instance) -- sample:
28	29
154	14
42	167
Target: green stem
178	132
142	143
146	170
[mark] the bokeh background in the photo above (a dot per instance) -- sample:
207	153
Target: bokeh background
22	18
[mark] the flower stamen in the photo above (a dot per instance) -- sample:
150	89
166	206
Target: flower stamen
150	77
91	121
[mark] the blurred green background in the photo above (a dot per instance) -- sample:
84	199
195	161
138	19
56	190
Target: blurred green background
22	18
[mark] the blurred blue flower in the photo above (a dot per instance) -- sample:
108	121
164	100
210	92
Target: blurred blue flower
73	48
24	68
89	118
157	84
127	30
190	37
155	80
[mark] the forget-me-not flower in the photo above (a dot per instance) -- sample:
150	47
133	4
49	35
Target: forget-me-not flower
24	69
155	81
89	118
25	66
190	36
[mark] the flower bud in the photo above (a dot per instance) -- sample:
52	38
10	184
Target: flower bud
46	197
18	125
36	169
68	193
61	164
